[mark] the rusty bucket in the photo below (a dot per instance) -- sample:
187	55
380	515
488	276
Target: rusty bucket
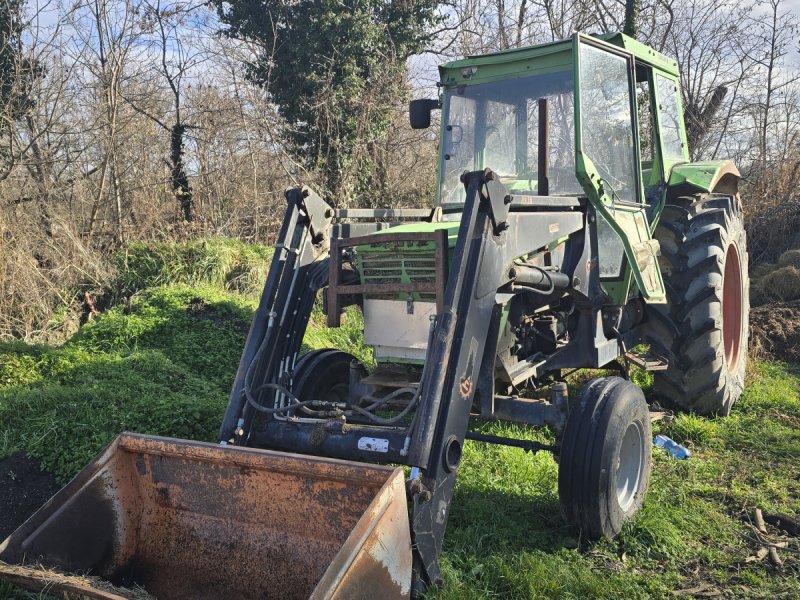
186	520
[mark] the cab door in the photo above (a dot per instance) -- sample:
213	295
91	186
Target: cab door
608	167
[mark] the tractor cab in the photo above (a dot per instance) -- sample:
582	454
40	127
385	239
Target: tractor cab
571	119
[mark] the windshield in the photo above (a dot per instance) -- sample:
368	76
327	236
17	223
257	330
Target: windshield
495	125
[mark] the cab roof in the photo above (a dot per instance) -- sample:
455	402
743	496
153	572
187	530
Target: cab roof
548	53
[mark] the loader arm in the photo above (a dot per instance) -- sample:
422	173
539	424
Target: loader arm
493	232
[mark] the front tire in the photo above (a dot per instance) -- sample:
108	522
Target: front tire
703	329
323	375
604	467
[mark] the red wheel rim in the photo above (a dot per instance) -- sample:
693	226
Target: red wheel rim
732	308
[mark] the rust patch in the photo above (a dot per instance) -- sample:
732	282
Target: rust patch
193	520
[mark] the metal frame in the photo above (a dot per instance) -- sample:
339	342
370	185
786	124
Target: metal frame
337	289
458	372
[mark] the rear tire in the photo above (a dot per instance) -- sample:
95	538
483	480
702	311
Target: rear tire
703	330
604	467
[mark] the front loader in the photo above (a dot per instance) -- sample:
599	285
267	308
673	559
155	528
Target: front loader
570	232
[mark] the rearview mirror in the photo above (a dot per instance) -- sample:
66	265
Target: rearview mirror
419	113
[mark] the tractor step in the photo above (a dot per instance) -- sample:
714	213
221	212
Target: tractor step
647	360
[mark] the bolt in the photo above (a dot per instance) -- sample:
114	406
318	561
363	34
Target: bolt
503	227
328	213
508	199
488	175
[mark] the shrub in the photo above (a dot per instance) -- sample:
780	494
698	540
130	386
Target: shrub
222	262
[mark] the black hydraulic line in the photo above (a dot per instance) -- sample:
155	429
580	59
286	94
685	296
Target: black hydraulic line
272	349
526	445
386	420
379	402
297	403
288	336
314	280
258	328
538	277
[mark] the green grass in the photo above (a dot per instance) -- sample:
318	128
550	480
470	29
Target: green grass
224	263
506	539
163	364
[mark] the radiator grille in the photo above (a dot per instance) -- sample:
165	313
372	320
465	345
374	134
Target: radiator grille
397	262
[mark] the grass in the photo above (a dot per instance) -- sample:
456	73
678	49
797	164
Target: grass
163	363
506	540
224	263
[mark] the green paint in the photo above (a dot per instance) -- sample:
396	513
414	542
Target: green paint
425	227
518	62
669	167
403	262
609	208
702	175
642	52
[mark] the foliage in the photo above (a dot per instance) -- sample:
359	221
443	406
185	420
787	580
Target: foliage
17	74
163	364
222	262
335	70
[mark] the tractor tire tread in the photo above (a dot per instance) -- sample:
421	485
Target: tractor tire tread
696	232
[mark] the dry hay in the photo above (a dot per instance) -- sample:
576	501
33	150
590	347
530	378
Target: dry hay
775	331
757	294
790	258
73	586
758	271
781	284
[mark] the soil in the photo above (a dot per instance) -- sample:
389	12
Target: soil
200	309
24	488
775	331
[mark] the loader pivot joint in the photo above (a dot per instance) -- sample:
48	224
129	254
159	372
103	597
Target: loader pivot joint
319	213
495	198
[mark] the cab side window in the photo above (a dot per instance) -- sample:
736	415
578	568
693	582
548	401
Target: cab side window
671	139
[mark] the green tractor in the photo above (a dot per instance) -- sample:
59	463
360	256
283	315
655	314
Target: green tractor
570	231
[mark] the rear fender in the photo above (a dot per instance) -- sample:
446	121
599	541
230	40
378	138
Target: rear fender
719	176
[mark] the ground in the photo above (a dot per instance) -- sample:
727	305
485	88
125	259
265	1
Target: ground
24	487
776	329
163	362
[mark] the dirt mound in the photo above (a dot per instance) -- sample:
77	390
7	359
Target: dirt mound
775	331
24	488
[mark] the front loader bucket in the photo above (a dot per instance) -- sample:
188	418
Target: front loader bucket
188	520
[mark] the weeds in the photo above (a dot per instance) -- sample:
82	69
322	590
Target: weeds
223	263
163	364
